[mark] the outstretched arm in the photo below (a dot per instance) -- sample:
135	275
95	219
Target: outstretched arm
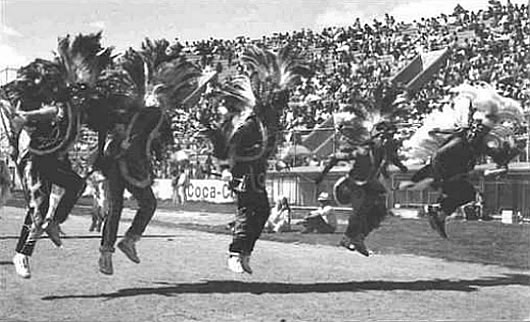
21	118
46	113
333	161
446	131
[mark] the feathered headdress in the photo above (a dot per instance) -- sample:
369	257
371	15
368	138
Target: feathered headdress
238	92
160	74
78	61
362	118
271	76
471	102
265	86
39	82
66	80
83	58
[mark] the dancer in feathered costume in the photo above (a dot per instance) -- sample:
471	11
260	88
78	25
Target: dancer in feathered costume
45	110
453	139
158	81
247	136
366	133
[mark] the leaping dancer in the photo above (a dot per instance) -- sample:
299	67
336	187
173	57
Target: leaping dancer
247	136
475	125
154	82
366	131
46	106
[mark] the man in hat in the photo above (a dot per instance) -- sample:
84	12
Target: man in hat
323	219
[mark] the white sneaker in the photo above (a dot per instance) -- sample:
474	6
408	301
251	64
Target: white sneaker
21	263
245	263
235	263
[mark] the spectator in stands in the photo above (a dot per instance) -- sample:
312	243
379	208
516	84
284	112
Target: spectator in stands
322	220
280	219
489	45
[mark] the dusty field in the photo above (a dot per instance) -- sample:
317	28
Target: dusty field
183	277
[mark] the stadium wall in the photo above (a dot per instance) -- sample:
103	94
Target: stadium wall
510	192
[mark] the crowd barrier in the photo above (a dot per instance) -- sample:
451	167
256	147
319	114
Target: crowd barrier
203	190
508	193
209	190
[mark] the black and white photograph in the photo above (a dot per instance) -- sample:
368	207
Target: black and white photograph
264	160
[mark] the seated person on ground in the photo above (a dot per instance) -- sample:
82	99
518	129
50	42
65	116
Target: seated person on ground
280	219
323	219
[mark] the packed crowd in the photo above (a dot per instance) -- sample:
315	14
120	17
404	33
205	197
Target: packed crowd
355	59
490	45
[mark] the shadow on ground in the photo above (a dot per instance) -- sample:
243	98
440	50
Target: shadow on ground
224	287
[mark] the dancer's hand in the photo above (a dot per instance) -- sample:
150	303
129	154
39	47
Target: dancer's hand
495	172
18	121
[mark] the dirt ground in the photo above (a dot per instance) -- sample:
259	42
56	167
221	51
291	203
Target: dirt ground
182	277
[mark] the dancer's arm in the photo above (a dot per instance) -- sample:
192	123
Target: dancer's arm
333	161
46	113
446	131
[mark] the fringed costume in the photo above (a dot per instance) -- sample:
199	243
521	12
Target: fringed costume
154	81
247	137
366	137
478	123
46	110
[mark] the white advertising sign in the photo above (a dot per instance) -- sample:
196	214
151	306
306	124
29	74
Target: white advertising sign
209	190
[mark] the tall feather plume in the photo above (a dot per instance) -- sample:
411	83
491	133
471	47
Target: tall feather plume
83	58
239	90
351	130
177	79
157	52
511	110
160	73
271	76
481	98
274	72
41	81
132	62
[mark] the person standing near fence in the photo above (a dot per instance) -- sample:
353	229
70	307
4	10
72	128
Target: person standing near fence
183	181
